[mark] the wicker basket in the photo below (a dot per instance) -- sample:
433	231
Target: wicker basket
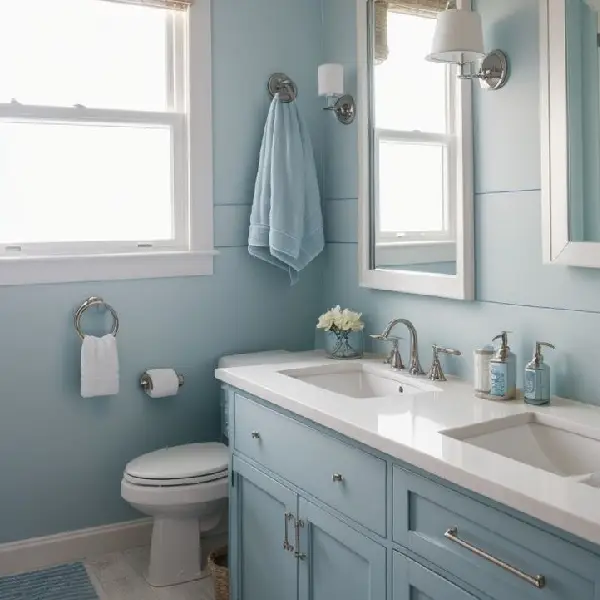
219	567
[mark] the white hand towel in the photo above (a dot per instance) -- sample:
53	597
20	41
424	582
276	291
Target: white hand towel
99	366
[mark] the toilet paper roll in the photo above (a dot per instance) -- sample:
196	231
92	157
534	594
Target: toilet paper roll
164	383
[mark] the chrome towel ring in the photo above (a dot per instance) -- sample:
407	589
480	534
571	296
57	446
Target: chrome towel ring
95	301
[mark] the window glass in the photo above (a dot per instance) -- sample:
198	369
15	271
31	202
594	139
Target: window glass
410	93
98	54
73	183
411	185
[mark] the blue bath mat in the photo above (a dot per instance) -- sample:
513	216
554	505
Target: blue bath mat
65	582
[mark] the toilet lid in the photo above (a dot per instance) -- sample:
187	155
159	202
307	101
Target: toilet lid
180	462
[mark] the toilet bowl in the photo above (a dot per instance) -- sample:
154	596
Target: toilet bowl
185	490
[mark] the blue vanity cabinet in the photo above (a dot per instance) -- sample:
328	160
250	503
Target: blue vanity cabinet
336	561
261	568
364	527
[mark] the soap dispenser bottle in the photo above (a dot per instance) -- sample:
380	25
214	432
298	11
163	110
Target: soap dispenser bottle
503	371
537	377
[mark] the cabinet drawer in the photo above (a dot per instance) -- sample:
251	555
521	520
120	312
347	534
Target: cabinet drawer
493	542
310	460
412	581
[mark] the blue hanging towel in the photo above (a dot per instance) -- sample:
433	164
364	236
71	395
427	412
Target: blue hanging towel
286	225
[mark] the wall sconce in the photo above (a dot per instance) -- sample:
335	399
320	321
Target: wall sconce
331	85
458	39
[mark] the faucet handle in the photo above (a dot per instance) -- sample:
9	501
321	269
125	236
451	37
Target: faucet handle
394	358
436	372
385	338
443	350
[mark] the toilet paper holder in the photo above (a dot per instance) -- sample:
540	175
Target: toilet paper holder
146	381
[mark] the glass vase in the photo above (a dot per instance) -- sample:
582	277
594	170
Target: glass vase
344	345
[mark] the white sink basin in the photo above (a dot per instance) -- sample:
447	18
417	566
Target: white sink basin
359	381
544	442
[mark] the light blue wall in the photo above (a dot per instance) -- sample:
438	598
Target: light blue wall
514	290
61	457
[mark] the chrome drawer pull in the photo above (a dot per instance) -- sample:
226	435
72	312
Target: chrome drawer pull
538	581
298	554
255	435
286	544
337	477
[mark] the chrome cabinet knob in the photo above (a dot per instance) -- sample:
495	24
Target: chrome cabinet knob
337	477
255	435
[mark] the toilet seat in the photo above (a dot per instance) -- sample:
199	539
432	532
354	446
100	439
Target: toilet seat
175	482
189	464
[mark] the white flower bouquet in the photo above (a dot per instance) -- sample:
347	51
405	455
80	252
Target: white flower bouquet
340	325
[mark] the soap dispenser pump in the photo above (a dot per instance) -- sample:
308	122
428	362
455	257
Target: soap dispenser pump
537	377
503	370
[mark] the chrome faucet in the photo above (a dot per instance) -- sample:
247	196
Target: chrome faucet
414	367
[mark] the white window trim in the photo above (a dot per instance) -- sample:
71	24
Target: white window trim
415	252
187	257
461	285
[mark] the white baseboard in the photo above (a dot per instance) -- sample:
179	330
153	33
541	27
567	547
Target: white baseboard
41	552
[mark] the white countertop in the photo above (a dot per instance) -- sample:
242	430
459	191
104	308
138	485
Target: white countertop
409	428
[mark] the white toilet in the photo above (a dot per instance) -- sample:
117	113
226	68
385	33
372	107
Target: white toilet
185	490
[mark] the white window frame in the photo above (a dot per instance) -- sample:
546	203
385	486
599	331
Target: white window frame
459	180
189	118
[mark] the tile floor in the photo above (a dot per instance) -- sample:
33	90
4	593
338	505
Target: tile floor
118	576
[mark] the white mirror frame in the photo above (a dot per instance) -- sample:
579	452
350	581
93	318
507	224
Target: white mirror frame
460	286
557	247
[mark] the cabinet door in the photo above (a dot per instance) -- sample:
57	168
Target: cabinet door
336	561
260	566
412	581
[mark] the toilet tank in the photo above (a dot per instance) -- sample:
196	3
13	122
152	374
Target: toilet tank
243	360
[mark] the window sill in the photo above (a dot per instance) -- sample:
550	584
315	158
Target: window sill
415	252
108	267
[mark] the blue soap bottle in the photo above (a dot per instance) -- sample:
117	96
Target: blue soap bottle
503	371
537	377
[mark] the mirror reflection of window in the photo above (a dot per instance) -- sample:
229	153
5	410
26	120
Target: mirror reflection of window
582	21
414	220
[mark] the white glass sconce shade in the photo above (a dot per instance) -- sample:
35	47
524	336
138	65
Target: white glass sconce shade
458	37
331	80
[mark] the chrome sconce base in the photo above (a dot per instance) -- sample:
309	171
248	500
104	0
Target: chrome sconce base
344	108
493	74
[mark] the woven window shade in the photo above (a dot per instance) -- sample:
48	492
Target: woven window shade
171	4
422	8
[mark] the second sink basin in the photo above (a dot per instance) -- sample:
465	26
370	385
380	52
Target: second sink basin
358	381
538	440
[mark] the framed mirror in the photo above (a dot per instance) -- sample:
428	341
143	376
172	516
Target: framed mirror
415	155
570	86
